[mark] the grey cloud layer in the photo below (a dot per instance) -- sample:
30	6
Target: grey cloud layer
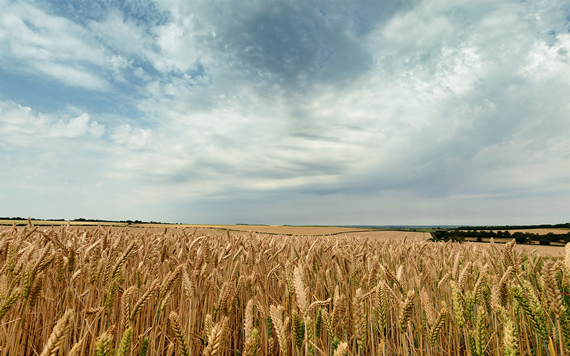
327	111
292	46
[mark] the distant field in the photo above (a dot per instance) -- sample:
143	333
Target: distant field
272	229
393	235
268	229
59	223
553	250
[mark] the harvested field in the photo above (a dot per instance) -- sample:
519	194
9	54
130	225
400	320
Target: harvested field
553	251
392	235
270	229
108	291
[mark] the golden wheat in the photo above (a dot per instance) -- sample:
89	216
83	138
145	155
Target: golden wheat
147	292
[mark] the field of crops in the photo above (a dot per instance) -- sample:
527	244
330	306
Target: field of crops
104	291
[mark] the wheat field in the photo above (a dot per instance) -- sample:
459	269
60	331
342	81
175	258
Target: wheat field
140	292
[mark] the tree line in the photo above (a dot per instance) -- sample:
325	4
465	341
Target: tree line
516	227
520	237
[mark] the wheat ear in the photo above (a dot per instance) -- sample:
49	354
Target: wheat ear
428	307
122	259
510	338
58	334
406	311
142	300
553	294
444	312
177	327
359	318
300	291
9	303
216	339
458	307
341	350
249	343
298	329
76	349
280	328
125	344
170	349
144	346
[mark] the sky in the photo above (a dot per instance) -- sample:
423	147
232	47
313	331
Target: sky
340	112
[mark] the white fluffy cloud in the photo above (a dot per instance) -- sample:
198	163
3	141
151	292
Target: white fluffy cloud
134	139
20	126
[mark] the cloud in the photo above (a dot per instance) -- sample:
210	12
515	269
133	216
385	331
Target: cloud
21	126
292	45
144	13
80	126
310	112
122	35
134	139
32	40
424	119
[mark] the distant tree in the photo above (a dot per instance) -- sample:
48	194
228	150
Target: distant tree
520	238
553	237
